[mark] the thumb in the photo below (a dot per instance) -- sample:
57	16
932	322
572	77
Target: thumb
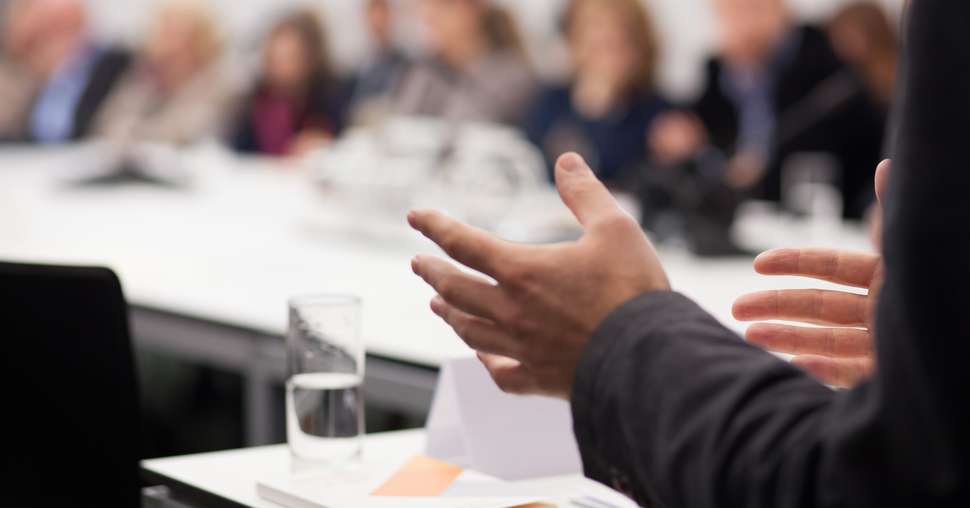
882	180
582	192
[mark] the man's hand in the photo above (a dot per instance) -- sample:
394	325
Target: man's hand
530	323
841	352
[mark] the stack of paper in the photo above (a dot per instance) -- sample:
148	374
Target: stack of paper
420	482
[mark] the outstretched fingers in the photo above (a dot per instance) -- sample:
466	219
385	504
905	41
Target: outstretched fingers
797	340
465	244
813	306
510	375
481	335
839	372
840	267
470	293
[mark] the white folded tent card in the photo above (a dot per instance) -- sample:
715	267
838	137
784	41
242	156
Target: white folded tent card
475	425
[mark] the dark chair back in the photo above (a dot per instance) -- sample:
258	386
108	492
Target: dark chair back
71	411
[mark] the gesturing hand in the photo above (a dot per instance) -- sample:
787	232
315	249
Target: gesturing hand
840	353
530	324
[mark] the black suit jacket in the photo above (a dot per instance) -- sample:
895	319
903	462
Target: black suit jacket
676	410
820	106
107	72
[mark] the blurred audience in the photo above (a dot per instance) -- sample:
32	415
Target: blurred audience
773	92
296	104
478	71
75	73
380	75
174	93
604	111
864	37
774	96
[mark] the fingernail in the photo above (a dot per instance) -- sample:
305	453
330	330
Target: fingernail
436	304
572	163
415	262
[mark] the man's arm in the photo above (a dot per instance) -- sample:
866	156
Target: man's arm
676	409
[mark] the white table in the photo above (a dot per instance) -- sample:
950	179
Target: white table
209	270
228	479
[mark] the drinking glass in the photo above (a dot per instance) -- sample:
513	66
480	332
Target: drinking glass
324	398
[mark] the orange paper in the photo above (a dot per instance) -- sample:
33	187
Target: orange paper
420	477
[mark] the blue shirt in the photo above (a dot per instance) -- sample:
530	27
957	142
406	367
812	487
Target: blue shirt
52	119
753	93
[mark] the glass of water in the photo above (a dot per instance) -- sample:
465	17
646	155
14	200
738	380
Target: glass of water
324	398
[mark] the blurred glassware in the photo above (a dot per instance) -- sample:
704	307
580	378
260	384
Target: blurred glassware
476	172
810	189
324	398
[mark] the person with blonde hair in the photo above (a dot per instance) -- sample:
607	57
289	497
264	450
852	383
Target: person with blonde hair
175	93
605	109
478	69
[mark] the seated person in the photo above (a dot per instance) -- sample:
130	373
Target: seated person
174	94
16	84
295	106
380	77
75	74
777	90
863	36
604	112
478	70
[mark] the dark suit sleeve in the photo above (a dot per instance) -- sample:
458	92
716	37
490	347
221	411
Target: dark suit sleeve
677	411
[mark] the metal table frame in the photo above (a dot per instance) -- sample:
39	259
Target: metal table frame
260	358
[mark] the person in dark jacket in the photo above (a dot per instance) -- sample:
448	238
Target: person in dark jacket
379	78
297	103
608	105
775	91
672	408
75	74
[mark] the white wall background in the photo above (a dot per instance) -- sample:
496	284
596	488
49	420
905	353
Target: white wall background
686	25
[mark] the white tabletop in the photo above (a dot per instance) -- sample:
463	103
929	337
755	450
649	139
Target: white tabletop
247	236
233	474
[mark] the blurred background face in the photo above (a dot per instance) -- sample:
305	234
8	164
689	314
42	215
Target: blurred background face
287	61
379	21
34	27
750	29
182	42
15	33
43	33
451	22
602	45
